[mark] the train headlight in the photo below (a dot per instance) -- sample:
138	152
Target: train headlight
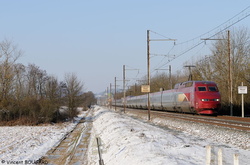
216	99
204	99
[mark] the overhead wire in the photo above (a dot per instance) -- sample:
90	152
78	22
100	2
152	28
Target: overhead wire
219	26
245	15
227	24
160	34
165	55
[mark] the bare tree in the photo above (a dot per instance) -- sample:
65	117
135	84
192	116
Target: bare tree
216	66
27	93
88	99
8	56
19	87
36	81
240	59
50	100
74	91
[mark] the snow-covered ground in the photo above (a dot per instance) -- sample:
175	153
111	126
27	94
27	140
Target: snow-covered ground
27	144
128	141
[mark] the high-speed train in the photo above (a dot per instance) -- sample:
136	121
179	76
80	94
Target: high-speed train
198	97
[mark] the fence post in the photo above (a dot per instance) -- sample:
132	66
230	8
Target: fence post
208	155
236	159
220	160
99	151
220	156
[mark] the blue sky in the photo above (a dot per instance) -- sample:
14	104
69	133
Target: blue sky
94	39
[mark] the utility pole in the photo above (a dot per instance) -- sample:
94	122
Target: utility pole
230	84
190	77
124	87
107	96
115	94
169	79
110	94
115	91
230	74
124	90
148	64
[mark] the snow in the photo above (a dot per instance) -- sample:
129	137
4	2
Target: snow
25	142
129	140
30	143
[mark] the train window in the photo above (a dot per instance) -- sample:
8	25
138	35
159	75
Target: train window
201	88
213	89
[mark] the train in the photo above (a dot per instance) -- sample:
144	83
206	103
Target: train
196	97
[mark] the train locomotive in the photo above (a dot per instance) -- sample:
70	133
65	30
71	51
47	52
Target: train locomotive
197	97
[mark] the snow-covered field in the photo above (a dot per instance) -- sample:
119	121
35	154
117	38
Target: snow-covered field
27	144
128	141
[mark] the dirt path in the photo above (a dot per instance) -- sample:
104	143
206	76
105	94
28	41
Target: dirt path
73	148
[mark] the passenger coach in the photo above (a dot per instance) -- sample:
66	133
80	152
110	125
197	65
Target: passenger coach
199	97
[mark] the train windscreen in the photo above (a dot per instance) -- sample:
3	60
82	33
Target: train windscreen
213	89
202	89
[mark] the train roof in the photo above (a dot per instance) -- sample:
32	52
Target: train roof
190	83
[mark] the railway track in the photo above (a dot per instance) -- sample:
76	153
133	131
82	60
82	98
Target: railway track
72	149
223	121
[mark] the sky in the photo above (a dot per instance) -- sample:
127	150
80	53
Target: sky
94	39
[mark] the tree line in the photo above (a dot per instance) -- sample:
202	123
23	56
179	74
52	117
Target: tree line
214	67
30	95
